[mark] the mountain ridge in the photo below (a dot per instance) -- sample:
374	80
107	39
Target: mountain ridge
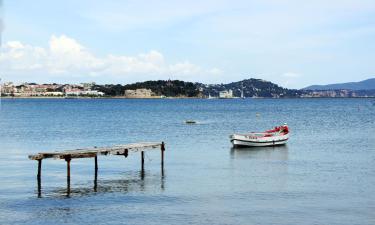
368	84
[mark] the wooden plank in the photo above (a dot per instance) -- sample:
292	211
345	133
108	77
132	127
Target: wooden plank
36	157
78	155
92	152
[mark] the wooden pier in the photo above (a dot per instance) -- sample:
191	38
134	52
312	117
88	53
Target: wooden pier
94	152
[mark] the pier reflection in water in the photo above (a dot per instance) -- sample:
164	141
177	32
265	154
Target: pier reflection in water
130	182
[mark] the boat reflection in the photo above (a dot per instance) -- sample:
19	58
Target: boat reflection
259	162
268	153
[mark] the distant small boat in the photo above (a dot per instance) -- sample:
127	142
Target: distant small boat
190	121
210	97
242	95
277	136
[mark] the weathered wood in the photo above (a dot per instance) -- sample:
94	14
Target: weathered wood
39	169
92	152
162	148
96	164
78	155
68	159
39	178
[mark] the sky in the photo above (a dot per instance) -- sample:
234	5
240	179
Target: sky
292	43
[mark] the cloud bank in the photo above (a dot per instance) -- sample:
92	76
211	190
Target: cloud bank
292	43
66	58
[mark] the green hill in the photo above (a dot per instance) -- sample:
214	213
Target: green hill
252	88
177	88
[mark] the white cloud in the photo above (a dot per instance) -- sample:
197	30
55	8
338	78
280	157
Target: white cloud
326	41
66	57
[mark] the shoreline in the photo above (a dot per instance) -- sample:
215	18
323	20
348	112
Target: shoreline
121	97
110	97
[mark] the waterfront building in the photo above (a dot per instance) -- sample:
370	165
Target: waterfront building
79	92
226	94
7	88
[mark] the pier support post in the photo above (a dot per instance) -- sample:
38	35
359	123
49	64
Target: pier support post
96	174
96	166
68	159
39	169
162	148
143	160
39	178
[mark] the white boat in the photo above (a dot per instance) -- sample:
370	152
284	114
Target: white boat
277	136
210	97
242	95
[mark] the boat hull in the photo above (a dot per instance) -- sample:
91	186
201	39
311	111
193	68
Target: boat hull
250	141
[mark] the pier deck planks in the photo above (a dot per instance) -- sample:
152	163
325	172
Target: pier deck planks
94	151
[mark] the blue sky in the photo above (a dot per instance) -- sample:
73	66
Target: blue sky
292	43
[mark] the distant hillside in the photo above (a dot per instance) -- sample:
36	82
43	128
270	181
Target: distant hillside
252	88
169	88
368	84
177	88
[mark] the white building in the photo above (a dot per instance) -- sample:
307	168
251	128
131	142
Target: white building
7	88
54	93
83	93
226	94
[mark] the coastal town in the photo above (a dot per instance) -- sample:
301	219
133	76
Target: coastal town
49	90
253	88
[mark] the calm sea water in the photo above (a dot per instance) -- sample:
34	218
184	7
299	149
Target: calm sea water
324	175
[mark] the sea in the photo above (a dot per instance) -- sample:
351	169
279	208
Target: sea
325	174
